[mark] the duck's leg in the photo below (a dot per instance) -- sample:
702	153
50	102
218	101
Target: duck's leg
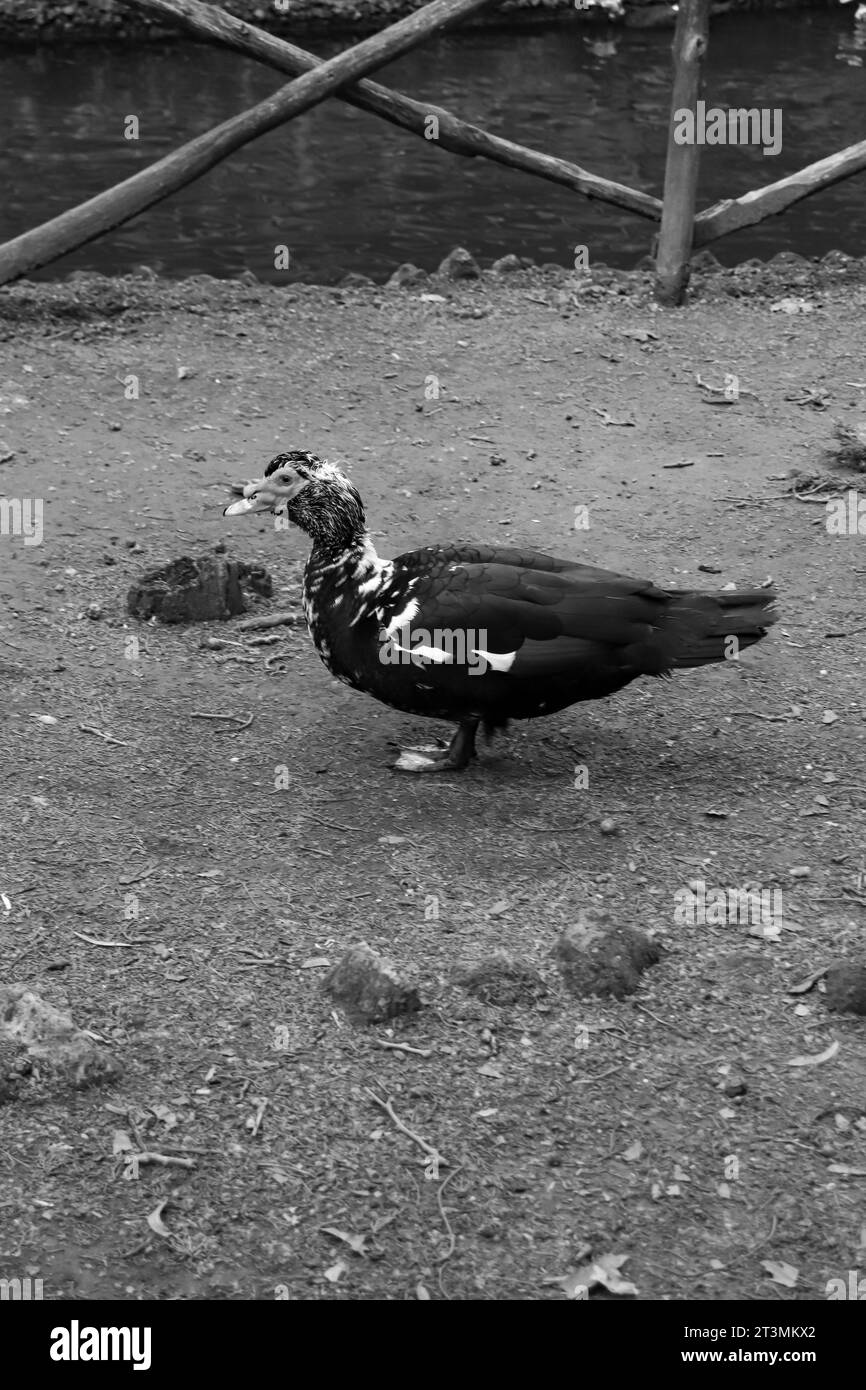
451	759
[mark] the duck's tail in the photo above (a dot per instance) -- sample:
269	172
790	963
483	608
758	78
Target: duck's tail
702	628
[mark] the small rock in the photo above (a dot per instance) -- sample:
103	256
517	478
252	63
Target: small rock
506	264
734	1085
368	987
406	274
94	611
845	989
460	264
609	826
352	277
705	260
785	260
502	980
50	1040
597	957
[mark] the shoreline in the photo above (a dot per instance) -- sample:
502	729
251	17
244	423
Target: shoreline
88	295
27	23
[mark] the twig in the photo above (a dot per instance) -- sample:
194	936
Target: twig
449	1228
335	825
283	618
255	1126
136	878
663	1021
607	418
165	1159
91	729
93	941
233	718
816	495
588	1080
769	718
404	1047
386	1105
767	1237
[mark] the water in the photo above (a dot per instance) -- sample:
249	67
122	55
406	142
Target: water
346	191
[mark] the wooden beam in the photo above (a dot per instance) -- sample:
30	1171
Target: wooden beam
455	135
731	214
683	161
117	205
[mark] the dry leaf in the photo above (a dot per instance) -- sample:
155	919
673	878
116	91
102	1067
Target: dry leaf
156	1223
633	1152
336	1271
421	1294
356	1243
810	981
817	1058
780	1273
605	1271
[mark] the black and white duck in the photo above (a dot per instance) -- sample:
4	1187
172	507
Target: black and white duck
481	634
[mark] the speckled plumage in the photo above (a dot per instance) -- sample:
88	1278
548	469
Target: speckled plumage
515	633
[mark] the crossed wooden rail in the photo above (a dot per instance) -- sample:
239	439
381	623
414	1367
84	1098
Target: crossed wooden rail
340	76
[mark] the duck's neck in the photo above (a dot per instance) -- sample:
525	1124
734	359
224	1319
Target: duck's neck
356	556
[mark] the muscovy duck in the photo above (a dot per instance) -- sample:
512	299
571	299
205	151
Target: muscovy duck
483	634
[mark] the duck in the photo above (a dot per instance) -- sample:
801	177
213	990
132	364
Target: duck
479	635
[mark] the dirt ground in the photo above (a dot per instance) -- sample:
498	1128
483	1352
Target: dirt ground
677	1128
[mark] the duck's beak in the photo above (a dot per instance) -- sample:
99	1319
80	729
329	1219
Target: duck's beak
265	494
253	503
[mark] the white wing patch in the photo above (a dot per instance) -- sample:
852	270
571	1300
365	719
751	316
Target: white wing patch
435	654
497	661
403	619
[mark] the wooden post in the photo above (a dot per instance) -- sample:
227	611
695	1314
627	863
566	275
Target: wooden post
453	134
683	161
158	181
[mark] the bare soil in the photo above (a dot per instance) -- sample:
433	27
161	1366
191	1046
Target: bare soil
227	862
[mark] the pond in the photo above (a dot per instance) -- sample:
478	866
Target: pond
344	191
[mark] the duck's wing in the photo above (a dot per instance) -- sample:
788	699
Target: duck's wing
530	621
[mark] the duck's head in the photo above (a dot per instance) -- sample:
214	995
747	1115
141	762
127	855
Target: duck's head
312	493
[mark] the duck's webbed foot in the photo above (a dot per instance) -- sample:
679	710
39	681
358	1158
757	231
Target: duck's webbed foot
454	758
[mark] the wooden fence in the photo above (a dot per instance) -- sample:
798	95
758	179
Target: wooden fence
344	76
